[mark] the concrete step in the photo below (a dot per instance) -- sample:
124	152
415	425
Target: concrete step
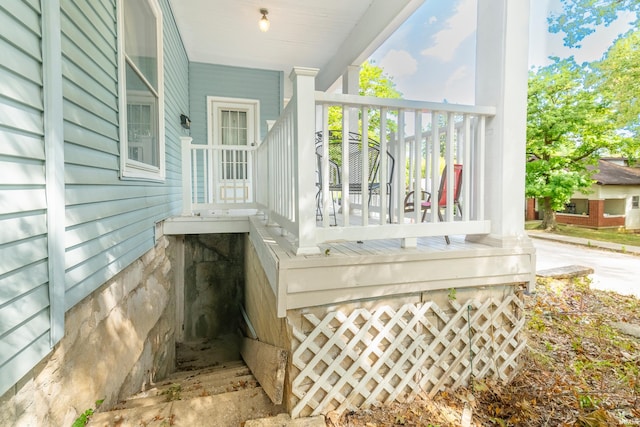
221	368
284	420
200	383
230	409
220	376
203	353
198	387
566	272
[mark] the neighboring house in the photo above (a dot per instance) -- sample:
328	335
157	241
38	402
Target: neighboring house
612	201
101	185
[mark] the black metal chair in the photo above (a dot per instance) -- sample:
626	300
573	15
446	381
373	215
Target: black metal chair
334	176
356	163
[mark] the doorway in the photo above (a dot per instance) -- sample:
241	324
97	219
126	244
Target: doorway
233	132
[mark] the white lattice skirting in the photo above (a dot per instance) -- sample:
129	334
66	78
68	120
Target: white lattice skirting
351	361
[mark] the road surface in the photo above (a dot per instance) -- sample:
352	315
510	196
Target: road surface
612	270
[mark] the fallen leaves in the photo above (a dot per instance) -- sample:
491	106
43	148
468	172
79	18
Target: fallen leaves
578	371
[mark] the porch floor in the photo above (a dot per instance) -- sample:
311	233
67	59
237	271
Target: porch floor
348	271
391	247
238	221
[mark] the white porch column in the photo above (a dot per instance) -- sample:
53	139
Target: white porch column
501	81
305	158
351	80
187	196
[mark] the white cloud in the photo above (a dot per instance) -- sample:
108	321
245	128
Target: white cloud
457	28
432	20
460	74
399	63
459	87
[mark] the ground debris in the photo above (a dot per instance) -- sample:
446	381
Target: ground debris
578	371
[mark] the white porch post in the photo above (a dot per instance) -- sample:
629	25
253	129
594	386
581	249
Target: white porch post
185	144
501	81
351	80
304	158
351	86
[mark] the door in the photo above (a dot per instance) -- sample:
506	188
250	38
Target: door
233	136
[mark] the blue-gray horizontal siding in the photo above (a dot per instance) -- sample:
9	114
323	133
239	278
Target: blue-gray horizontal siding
24	278
176	94
232	82
109	221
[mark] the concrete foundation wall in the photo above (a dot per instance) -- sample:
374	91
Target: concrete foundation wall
117	339
214	282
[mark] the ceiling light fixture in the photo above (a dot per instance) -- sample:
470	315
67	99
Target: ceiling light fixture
264	23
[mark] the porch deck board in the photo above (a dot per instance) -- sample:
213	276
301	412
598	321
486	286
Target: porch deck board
393	246
348	271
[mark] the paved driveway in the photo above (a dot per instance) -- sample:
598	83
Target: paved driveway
612	271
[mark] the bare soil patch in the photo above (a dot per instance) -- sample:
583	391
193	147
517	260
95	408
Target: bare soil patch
580	369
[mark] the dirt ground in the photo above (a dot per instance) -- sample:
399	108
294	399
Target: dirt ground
581	368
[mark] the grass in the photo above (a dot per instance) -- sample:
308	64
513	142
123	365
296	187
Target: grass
604	235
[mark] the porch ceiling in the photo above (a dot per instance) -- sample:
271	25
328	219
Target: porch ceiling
328	34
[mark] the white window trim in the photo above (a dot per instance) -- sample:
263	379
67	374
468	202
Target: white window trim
214	103
131	169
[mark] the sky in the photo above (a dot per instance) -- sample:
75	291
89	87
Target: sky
432	56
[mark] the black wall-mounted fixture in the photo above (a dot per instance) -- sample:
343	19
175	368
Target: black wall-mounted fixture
185	121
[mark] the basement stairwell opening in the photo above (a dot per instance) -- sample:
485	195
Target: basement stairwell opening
213	297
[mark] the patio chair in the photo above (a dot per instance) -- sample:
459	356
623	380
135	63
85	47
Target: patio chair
409	202
355	165
334	177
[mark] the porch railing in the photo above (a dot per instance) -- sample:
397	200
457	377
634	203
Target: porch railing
294	181
217	177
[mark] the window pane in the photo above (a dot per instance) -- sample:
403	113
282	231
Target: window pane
142	128
233	125
140	39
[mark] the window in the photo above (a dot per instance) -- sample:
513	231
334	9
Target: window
141	90
635	202
576	207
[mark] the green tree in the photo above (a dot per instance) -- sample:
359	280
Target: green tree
568	126
618	73
373	82
579	18
618	78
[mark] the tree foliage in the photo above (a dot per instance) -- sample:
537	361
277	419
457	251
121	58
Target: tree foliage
569	125
618	78
579	18
576	114
373	82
